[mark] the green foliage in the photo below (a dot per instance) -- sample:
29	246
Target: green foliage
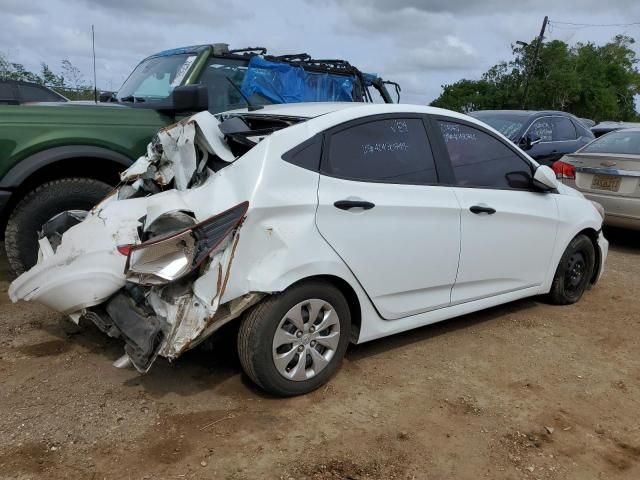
70	82
591	81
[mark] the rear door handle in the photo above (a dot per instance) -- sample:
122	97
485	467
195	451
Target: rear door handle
349	204
481	209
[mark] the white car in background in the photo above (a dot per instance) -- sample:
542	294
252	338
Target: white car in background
607	171
315	225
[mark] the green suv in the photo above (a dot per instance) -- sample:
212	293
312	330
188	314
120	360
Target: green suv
57	157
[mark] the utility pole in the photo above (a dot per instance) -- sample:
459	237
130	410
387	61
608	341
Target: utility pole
532	65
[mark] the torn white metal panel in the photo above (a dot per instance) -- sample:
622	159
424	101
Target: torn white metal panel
173	154
210	138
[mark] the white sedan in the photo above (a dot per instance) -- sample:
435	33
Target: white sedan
314	225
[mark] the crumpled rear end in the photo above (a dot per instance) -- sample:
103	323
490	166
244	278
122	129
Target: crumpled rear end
151	262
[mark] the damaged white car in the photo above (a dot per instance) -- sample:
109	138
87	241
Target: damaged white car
314	225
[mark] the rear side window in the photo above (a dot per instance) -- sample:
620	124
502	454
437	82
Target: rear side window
306	155
481	160
582	130
389	151
563	129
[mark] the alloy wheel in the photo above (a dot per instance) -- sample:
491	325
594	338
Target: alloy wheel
306	339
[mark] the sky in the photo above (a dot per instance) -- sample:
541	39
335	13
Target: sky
421	44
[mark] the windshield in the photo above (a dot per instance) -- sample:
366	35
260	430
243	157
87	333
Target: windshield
508	124
620	141
155	78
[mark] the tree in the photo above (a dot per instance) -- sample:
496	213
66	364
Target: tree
49	78
590	81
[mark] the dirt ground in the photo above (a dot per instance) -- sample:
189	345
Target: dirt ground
522	391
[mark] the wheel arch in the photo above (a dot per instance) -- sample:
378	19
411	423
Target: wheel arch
592	235
82	161
350	296
58	156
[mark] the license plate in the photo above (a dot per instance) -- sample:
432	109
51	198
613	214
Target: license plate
606	182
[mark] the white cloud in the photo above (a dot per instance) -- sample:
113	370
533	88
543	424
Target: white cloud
422	44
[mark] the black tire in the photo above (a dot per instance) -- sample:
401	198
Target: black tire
39	206
258	328
574	272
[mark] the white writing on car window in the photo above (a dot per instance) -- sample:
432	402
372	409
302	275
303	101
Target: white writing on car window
373	148
452	132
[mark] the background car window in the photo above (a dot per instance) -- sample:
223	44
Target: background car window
480	160
621	142
32	93
582	130
7	94
392	151
543	127
563	129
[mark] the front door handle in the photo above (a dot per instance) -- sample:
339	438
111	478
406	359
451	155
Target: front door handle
481	209
349	204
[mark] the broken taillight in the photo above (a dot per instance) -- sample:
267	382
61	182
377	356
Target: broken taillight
166	258
564	170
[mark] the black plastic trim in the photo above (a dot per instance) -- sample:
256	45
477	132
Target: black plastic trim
25	168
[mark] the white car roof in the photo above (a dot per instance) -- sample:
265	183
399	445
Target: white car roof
315	109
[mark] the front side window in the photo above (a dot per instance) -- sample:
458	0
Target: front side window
389	151
543	128
217	75
481	160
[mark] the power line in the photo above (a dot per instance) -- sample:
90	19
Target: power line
582	25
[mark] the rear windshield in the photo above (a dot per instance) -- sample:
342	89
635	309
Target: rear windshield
621	141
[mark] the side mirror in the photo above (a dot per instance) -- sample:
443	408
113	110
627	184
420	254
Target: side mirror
529	140
545	179
106	96
188	98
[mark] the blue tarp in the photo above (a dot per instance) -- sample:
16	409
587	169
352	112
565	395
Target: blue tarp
285	83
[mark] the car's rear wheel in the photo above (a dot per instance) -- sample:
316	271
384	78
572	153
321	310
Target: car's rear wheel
293	342
41	205
574	271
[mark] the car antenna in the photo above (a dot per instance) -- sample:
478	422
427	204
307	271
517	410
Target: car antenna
93	46
252	106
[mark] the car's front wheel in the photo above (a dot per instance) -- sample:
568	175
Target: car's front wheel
574	271
293	342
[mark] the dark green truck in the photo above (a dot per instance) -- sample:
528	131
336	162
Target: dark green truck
67	156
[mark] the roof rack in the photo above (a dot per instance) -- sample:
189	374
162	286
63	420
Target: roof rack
254	50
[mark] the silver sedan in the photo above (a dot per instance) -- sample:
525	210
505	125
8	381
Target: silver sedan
607	171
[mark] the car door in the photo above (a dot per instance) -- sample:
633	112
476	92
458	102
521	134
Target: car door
382	210
508	229
565	137
558	135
